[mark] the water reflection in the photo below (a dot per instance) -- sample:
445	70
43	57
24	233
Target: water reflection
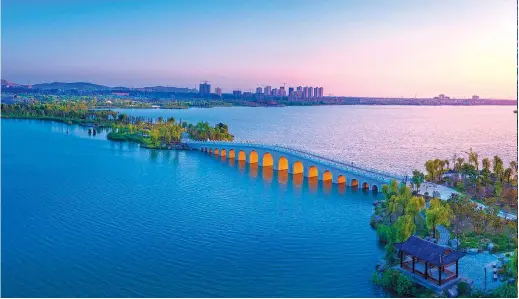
253	170
283	178
313	183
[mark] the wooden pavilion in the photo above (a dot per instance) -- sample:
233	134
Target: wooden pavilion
431	261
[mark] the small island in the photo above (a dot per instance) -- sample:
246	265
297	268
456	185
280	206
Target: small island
149	133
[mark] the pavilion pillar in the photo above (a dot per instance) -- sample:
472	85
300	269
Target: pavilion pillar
456	269
401	258
413	264
440	274
426	272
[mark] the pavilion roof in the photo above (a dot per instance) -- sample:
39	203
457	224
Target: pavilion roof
429	252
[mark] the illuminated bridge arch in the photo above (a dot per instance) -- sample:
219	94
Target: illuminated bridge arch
223	152
313	172
354	183
298	168
327	176
216	152
283	163
232	154
242	156
253	157
267	160
341	179
365	186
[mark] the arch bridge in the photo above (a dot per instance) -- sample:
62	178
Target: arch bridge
298	162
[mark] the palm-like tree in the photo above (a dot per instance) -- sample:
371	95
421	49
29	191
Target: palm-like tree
486	163
474	159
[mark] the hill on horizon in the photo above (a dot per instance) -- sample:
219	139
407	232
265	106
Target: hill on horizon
69	86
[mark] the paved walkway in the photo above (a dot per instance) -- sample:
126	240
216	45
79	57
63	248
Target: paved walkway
444	235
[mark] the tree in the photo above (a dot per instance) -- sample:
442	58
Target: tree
473	159
404	228
498	168
460	205
459	163
392	206
507	174
417	179
389	190
437	214
486	163
404	195
415	205
513	165
498	189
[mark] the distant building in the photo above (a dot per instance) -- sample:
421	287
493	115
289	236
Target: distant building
320	92
316	92
275	92
218	91
282	92
259	90
307	92
267	91
205	89
475	98
442	97
236	93
290	91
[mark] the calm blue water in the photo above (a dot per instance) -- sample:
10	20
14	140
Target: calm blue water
83	216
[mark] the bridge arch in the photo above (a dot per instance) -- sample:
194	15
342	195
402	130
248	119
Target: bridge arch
365	186
327	176
341	179
374	188
242	156
253	157
216	152
211	151
267	160
313	172
283	163
223	153
354	183
232	154
298	168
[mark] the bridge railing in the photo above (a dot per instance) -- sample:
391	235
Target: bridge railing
370	172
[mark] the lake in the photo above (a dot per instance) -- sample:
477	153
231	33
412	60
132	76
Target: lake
86	217
389	138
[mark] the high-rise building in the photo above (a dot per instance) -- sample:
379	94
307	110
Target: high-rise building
267	90
290	91
275	92
307	92
205	89
236	93
259	90
320	92
282	92
218	91
316	92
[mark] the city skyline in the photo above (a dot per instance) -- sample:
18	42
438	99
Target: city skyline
398	49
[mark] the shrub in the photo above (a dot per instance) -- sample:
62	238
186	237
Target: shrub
404	285
463	289
385	233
